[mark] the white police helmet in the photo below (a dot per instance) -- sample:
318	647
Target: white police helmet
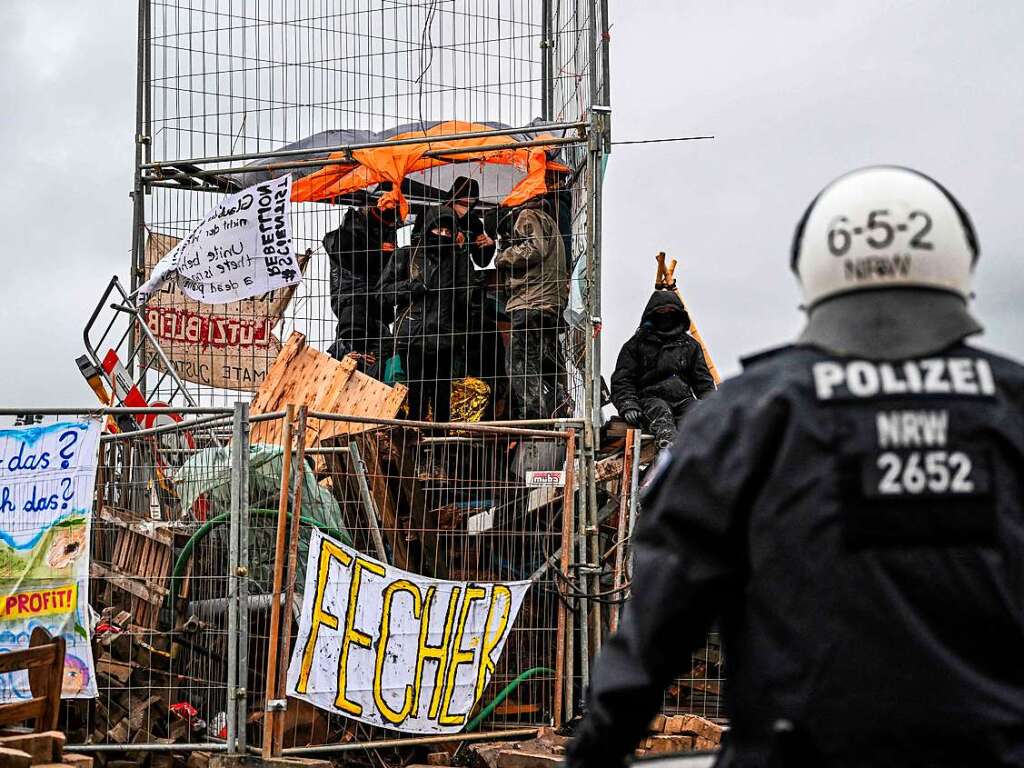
885	256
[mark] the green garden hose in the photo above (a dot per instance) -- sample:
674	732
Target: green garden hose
484	713
209	525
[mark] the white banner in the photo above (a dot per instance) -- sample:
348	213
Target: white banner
47	476
242	248
394	649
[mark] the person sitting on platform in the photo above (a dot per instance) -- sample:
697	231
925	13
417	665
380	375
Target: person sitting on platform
661	370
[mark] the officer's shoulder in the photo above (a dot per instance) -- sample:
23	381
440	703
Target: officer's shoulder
767	376
765	356
1005	368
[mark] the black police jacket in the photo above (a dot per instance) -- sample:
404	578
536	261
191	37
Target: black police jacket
857	529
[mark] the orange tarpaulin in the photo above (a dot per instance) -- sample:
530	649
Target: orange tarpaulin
393	164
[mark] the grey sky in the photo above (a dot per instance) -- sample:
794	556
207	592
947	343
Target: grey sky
795	97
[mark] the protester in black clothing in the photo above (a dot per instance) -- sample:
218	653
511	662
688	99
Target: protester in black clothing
661	370
426	284
851	509
462	198
358	251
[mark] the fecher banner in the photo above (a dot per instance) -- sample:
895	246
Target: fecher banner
47	476
242	248
394	649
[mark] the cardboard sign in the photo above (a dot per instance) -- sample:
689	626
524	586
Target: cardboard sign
242	248
394	649
230	346
47	474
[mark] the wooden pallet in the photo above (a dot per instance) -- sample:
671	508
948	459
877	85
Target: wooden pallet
140	567
302	375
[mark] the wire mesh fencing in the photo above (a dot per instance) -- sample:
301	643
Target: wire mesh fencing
233	93
200	537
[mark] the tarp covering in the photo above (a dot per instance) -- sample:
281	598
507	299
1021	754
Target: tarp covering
208	474
509	176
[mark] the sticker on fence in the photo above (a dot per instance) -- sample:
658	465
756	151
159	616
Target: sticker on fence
394	649
47	475
545	478
242	248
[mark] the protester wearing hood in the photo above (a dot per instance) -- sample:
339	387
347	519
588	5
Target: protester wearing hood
425	282
358	251
532	267
661	369
483	354
462	198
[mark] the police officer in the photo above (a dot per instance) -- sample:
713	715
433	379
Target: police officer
851	510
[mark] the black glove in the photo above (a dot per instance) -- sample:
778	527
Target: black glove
632	416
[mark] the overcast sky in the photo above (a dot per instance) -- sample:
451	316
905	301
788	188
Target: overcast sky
794	97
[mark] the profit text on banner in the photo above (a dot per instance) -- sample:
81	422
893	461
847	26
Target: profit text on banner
47	478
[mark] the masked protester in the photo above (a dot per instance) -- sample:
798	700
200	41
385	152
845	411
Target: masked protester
851	509
482	354
423	282
661	369
531	265
462	198
358	251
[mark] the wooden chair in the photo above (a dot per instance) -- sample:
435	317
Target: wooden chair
44	660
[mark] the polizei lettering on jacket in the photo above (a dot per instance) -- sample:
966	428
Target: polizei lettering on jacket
858	379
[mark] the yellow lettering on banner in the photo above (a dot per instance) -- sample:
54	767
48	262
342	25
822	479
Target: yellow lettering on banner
437	652
459	657
392	716
490	639
353	635
328	551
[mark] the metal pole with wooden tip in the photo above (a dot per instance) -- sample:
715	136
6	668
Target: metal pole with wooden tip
270	708
665	280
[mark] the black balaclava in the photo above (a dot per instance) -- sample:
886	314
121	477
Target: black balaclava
464	188
667	321
439	218
665	314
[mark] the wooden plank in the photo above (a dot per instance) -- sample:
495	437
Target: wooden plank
14	758
29	658
17	712
151	529
151	593
42	747
370	450
611	467
302	375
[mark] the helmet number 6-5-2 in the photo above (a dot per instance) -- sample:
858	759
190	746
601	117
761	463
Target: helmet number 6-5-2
875	223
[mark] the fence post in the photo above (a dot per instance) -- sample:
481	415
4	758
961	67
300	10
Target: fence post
270	710
238	620
564	651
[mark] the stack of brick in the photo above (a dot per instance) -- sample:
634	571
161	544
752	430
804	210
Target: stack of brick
681	733
138	688
39	750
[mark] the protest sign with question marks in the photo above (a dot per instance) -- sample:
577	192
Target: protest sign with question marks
47	477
